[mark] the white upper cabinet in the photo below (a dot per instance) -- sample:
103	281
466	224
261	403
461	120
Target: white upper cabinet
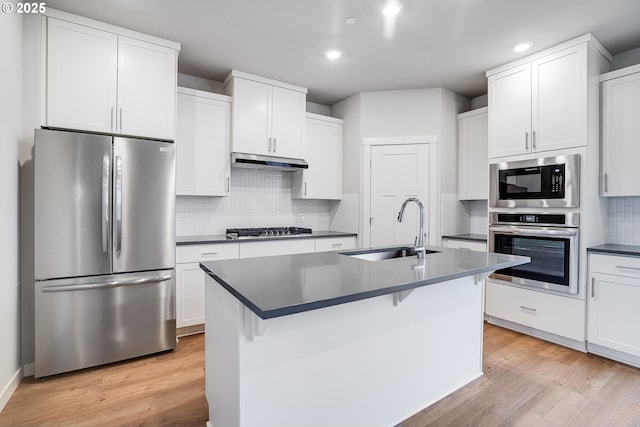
621	132
473	170
82	76
203	141
322	149
268	116
102	81
540	103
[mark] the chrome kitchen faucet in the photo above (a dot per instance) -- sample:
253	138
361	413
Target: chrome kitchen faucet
418	243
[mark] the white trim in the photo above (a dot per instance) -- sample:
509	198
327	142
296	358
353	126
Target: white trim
28	370
80	20
11	386
395	140
547	336
471	113
616	355
587	38
325	118
620	73
203	93
252	77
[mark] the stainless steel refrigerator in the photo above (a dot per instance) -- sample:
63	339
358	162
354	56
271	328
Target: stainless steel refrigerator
104	249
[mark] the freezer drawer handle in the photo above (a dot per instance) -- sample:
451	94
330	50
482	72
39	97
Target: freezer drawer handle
102	285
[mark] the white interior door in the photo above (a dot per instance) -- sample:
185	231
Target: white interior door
397	173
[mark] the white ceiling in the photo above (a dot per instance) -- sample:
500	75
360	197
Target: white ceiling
436	43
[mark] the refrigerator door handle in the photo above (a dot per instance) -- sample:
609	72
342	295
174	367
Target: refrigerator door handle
111	284
118	212
105	202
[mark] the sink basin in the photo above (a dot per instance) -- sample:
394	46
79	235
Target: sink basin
385	253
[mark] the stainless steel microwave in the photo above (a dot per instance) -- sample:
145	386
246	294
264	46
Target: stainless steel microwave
537	183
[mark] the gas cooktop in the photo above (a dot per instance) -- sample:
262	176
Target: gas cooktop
245	233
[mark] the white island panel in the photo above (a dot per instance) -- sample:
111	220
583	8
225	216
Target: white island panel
365	363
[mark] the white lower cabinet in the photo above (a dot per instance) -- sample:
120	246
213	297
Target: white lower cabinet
550	313
335	244
613	300
190	279
472	245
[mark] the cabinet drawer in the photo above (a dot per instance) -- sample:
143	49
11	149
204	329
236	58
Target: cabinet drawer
209	252
615	264
464	244
546	312
335	244
271	247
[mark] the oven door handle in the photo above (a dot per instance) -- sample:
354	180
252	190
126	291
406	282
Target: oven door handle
534	231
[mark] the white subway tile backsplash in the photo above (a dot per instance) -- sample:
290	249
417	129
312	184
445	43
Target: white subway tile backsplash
624	220
259	198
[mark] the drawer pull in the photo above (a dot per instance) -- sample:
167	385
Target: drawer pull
336	245
524	307
628	268
209	253
464	249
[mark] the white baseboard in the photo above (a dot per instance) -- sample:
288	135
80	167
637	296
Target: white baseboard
557	339
8	390
209	424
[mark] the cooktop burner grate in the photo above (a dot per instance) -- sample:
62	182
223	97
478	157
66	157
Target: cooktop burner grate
238	233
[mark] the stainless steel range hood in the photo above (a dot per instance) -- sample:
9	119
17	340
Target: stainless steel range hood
255	161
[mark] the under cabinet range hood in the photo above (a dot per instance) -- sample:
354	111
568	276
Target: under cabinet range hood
256	161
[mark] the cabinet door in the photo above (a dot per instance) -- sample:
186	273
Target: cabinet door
81	77
559	100
202	143
288	119
251	117
146	89
613	313
189	295
323	152
510	112
620	141
473	167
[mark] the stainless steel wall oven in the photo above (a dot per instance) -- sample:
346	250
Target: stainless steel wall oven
550	239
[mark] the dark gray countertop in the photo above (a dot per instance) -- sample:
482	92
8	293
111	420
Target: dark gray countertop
276	286
467	236
614	249
221	238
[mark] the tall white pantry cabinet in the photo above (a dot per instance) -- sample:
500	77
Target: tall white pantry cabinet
102	78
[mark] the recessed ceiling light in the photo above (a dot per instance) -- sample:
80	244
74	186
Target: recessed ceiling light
350	20
333	54
522	47
391	8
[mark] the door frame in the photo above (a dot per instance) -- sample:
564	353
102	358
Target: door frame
364	232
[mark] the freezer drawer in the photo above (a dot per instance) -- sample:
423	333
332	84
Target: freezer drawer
95	320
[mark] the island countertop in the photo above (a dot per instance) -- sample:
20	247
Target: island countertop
275	286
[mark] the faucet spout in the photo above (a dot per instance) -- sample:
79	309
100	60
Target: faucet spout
419	245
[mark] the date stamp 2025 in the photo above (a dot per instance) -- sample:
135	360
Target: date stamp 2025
21	8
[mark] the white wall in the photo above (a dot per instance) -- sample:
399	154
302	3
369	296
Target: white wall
10	130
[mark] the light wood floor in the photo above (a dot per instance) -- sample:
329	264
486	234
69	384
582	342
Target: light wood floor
527	382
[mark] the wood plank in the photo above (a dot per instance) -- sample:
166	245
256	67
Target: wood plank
527	382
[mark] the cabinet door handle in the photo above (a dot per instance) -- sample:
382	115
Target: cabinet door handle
111	125
628	268
606	182
526	140
533	139
120	120
269	145
593	287
524	307
305	188
228	185
275	144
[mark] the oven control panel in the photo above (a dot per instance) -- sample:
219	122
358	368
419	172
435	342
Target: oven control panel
526	218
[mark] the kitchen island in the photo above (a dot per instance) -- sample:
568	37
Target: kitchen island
328	339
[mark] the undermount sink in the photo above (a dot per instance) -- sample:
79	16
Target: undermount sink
385	253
